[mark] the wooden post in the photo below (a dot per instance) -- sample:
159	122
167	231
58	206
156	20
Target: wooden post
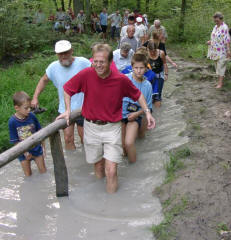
60	169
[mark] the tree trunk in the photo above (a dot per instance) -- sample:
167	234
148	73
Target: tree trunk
147	6
69	3
78	5
63	5
105	3
117	4
56	5
182	19
155	12
138	5
87	8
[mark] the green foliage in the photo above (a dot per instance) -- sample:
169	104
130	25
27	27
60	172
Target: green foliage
175	163
222	227
18	34
25	76
163	230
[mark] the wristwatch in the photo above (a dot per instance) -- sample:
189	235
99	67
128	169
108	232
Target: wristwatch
146	110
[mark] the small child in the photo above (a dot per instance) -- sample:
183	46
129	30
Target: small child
133	122
22	125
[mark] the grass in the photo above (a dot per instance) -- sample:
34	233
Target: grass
222	227
190	51
175	163
202	110
196	126
163	231
227	85
25	76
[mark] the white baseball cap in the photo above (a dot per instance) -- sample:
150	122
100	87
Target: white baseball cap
139	19
62	46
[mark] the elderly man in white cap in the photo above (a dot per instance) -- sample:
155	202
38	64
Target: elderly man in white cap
141	29
59	72
155	27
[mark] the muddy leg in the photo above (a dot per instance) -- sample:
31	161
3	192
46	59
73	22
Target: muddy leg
130	138
26	166
69	137
111	174
100	169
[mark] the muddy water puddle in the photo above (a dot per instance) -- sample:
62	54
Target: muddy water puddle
29	209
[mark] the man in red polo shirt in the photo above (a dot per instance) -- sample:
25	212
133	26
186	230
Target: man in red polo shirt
102	109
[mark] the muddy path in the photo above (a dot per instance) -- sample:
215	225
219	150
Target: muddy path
29	209
192	114
206	179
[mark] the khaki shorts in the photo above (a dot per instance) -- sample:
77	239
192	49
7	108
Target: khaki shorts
220	66
103	141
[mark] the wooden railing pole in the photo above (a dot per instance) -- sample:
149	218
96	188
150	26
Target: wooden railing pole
60	169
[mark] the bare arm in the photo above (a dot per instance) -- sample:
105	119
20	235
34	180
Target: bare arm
66	114
41	85
150	119
228	50
162	55
171	61
132	116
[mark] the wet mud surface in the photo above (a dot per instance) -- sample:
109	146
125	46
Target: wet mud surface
192	114
29	209
206	179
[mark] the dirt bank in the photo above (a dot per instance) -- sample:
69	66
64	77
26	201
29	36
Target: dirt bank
206	179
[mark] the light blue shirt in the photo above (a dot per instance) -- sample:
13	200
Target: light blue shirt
145	87
103	18
121	62
59	75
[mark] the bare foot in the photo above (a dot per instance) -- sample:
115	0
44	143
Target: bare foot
112	185
227	114
219	86
70	147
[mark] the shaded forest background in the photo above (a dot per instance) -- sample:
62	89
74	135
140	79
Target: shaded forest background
187	21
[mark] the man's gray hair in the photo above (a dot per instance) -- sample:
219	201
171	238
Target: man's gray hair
125	46
157	21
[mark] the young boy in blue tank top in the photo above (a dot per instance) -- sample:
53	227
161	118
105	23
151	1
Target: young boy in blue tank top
22	125
134	122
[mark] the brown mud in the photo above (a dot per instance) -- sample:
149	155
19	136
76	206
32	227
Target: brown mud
205	181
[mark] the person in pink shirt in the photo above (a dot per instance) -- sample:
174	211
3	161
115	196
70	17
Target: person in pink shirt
104	91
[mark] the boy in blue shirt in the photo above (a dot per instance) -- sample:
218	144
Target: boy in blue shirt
133	122
22	125
149	74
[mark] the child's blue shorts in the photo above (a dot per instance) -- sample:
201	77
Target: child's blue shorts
36	151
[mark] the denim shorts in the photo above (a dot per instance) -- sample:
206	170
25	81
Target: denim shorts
104	28
36	151
138	120
79	120
158	96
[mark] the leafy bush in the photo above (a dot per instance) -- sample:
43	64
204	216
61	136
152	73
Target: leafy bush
18	35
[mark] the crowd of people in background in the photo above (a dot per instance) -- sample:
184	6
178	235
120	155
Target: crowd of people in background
69	22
